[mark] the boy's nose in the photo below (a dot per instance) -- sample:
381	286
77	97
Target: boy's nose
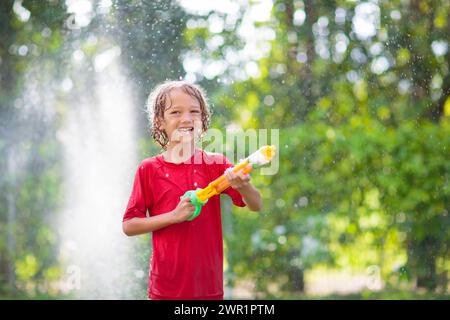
187	117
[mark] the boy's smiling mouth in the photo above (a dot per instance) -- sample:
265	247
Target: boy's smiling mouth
186	129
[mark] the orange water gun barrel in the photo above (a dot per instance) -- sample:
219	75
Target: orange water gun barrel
221	183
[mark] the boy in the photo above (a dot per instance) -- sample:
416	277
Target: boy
187	256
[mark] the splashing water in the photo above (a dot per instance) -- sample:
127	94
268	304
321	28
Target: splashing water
99	141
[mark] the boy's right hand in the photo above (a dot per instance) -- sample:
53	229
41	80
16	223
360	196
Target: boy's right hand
183	211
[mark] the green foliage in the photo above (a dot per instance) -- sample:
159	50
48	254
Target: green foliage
364	134
363	174
353	195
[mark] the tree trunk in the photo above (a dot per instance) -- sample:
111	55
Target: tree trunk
11	224
311	55
296	279
422	261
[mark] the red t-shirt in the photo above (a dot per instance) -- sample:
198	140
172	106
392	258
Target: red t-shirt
187	257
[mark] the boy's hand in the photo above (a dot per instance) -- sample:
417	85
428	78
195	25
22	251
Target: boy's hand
237	180
183	211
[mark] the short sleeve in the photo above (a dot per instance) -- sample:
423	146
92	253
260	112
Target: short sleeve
140	199
235	196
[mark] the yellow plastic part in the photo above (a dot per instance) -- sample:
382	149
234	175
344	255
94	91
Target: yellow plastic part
221	183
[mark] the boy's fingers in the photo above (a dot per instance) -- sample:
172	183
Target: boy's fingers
186	199
229	174
244	176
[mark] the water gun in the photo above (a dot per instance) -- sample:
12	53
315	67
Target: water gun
199	197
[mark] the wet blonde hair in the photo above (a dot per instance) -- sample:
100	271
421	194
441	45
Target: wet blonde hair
159	101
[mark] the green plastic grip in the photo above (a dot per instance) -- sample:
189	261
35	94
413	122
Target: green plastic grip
192	194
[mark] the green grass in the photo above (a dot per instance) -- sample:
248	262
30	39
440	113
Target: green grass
389	294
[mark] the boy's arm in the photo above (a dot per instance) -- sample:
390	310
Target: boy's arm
241	183
251	197
137	226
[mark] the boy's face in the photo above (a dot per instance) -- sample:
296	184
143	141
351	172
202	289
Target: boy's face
182	118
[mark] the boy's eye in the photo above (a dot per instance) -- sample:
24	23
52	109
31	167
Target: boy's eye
195	111
175	112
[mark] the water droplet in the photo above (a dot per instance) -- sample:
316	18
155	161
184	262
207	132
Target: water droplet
280	203
282	239
139	274
303	201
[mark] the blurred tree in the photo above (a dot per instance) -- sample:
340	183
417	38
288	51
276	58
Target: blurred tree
30	33
38	43
150	34
339	79
353	86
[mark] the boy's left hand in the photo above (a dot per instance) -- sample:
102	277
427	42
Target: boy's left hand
237	180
